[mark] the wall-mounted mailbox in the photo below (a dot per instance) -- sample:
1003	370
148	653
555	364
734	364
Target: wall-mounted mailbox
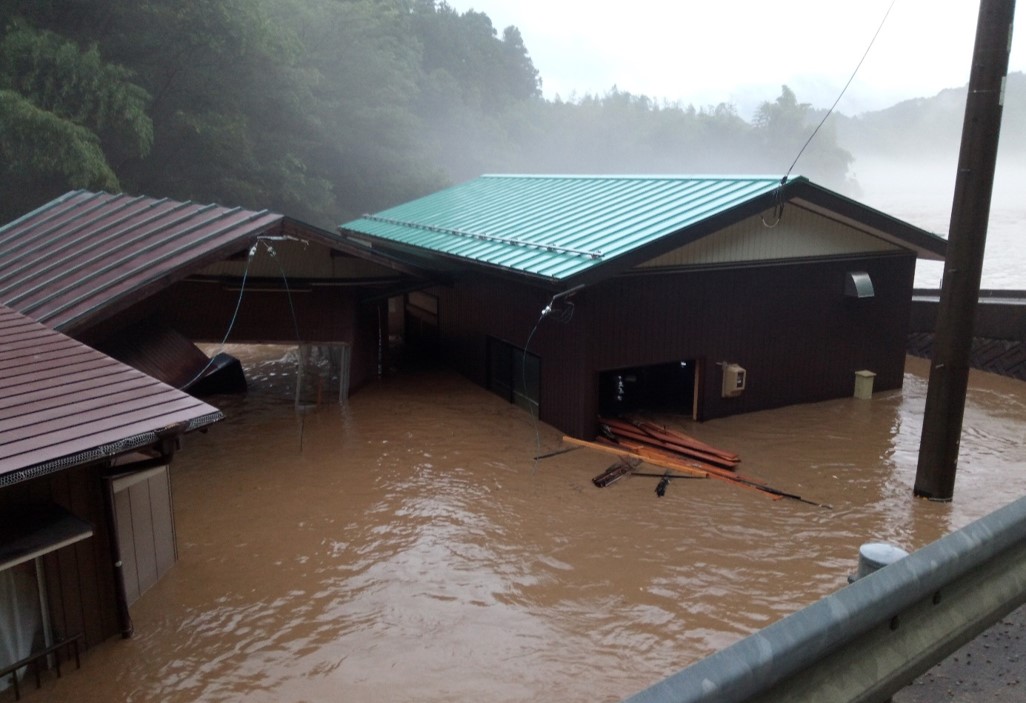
734	379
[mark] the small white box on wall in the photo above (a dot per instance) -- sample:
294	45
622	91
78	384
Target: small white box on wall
734	380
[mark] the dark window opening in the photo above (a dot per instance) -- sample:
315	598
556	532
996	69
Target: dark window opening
666	387
514	375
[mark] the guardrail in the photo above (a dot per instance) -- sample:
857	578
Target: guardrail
999	330
872	638
999	313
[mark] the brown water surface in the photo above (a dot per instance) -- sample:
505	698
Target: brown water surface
407	547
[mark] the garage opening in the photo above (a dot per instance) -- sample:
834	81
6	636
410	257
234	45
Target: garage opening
668	388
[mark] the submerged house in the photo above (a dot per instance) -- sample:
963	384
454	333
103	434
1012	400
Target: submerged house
579	296
142	278
86	520
102	297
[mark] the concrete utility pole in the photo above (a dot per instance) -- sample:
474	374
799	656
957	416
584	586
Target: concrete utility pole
967	236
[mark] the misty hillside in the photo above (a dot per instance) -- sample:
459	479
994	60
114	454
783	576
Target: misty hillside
326	109
925	126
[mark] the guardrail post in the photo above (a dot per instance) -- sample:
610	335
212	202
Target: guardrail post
873	556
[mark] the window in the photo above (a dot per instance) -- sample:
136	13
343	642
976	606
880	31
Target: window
514	375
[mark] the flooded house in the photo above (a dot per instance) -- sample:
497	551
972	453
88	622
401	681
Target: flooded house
707	296
86	519
144	278
103	298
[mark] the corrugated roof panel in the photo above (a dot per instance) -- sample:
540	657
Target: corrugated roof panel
80	255
63	403
557	226
135	268
37	254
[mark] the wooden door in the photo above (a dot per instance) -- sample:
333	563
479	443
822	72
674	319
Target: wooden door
145	527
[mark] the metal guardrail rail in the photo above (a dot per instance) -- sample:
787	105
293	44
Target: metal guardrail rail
873	637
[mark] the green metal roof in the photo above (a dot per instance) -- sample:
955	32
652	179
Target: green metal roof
560	227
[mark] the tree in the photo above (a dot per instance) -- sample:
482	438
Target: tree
325	109
63	112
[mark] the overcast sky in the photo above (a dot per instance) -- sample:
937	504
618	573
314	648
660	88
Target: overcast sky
741	51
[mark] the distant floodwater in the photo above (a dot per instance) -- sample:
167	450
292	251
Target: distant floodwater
921	193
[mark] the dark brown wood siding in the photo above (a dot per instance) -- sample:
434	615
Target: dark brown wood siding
789	325
203	311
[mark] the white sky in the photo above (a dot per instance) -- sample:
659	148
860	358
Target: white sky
741	51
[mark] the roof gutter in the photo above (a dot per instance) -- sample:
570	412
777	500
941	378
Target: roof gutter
106	451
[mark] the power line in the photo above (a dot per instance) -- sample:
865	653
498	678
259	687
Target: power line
843	90
231	323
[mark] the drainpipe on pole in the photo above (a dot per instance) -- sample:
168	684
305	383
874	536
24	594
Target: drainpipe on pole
963	265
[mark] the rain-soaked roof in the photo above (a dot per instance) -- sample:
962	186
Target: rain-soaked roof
84	256
63	403
561	227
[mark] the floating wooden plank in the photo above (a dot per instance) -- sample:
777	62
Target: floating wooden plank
665	439
629	467
662	457
684	439
668	459
655	461
613	474
557	452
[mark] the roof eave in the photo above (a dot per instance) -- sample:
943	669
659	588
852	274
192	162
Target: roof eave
404	259
103	452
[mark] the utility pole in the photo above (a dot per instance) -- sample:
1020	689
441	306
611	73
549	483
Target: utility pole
967	236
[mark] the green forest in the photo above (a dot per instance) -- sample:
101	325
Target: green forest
326	109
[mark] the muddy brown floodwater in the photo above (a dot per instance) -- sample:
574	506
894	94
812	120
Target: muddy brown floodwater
406	547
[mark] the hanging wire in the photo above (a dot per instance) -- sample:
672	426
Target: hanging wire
843	90
231	323
299	338
779	208
523	377
563	315
288	292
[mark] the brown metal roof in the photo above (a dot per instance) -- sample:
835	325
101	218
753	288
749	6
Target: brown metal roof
85	256
63	403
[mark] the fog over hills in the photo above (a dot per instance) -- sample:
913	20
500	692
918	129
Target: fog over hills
930	126
905	156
